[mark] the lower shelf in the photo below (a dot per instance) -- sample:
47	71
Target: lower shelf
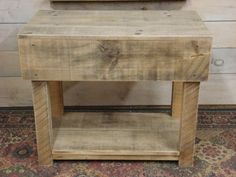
116	136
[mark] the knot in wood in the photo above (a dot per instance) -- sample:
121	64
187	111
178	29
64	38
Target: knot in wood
109	51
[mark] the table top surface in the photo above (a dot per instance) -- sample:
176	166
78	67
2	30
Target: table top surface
116	24
115	46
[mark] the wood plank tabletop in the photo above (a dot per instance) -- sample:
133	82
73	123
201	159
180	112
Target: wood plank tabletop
116	24
115	46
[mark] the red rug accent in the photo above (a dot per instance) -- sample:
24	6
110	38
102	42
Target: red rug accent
215	152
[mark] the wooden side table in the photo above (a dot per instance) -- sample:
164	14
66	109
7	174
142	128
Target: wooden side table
58	46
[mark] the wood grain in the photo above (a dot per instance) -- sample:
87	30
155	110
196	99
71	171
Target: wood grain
116	135
188	123
8	36
77	155
9	42
222	62
222	41
56	96
9	64
19	11
114	60
43	125
147	49
177	99
115	24
207	9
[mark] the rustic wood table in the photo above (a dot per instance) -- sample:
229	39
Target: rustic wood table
58	46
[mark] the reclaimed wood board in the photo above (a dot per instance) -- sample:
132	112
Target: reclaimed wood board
188	123
112	134
177	99
8	35
124	46
19	11
43	122
56	97
222	62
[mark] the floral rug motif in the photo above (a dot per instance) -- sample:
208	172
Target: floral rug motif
215	152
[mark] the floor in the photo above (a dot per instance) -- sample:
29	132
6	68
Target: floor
215	151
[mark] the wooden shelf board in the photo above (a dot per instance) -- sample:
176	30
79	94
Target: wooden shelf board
116	136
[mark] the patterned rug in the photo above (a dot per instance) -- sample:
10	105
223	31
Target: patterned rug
215	152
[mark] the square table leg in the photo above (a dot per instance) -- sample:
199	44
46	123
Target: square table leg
43	122
56	96
176	100
188	123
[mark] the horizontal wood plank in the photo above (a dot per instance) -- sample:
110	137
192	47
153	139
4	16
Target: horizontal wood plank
220	89
14	91
9	64
115	24
223	36
21	11
222	62
208	9
116	134
76	155
8	37
88	60
8	41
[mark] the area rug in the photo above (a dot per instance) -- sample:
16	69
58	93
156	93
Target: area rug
215	152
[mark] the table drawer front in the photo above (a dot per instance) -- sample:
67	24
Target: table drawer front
114	60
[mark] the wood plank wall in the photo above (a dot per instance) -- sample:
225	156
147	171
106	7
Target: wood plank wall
219	16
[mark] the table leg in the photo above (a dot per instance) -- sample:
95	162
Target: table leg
56	95
177	99
188	123
43	124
